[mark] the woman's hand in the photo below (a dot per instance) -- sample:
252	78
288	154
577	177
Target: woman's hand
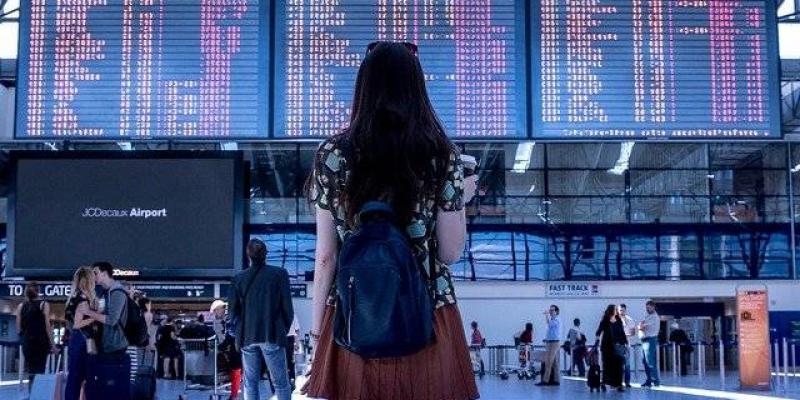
470	186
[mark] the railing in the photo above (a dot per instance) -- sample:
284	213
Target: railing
785	374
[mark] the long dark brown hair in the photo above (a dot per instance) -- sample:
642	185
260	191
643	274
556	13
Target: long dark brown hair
611	311
396	148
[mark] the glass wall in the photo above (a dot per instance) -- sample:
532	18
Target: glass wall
585	211
572	211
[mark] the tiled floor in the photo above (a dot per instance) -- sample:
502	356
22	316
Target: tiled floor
492	388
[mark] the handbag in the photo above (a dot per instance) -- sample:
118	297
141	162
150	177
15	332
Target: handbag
621	350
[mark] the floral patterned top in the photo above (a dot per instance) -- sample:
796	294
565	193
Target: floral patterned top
329	178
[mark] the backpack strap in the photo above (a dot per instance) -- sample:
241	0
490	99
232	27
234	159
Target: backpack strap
125	309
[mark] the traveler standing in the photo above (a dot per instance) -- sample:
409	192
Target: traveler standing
223	329
633	338
577	344
476	344
33	325
146	305
113	363
650	328
525	336
613	344
679	337
552	342
394	151
169	348
261	303
477	337
83	330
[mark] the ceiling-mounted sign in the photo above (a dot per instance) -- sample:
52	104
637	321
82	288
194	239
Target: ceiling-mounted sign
49	291
572	290
299	290
174	291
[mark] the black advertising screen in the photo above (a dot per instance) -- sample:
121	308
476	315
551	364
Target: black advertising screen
655	68
151	215
130	69
472	52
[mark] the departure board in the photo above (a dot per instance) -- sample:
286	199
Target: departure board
139	69
679	69
472	52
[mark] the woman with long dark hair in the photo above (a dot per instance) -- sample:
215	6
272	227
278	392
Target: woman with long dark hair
33	325
396	151
613	344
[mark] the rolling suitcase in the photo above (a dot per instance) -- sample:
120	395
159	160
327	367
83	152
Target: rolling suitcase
144	384
144	381
49	386
109	377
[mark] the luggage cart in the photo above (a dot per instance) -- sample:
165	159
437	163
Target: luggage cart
200	358
525	368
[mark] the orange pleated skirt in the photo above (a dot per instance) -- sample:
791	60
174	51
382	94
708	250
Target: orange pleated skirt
441	371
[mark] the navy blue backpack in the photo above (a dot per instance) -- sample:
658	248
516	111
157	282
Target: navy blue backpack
384	305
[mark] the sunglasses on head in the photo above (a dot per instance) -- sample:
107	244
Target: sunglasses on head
411	47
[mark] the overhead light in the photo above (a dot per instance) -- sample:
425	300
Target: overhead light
796	169
522	159
125	146
51	146
623	162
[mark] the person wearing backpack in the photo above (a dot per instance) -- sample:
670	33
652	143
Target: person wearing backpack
261	304
109	372
389	194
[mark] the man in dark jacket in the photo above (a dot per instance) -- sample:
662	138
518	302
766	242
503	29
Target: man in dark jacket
679	337
261	303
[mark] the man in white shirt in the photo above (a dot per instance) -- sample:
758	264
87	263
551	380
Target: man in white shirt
552	342
631	334
650	328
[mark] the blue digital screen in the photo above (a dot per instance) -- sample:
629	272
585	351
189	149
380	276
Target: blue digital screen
472	52
655	68
255	69
126	69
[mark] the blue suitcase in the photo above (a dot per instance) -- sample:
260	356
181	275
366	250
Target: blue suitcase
108	377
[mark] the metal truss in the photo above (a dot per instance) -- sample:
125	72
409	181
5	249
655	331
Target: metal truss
8	16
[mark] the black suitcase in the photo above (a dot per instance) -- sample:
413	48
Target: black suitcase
108	377
593	378
144	384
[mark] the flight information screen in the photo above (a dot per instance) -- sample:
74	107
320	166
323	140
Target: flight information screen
655	68
138	69
472	52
